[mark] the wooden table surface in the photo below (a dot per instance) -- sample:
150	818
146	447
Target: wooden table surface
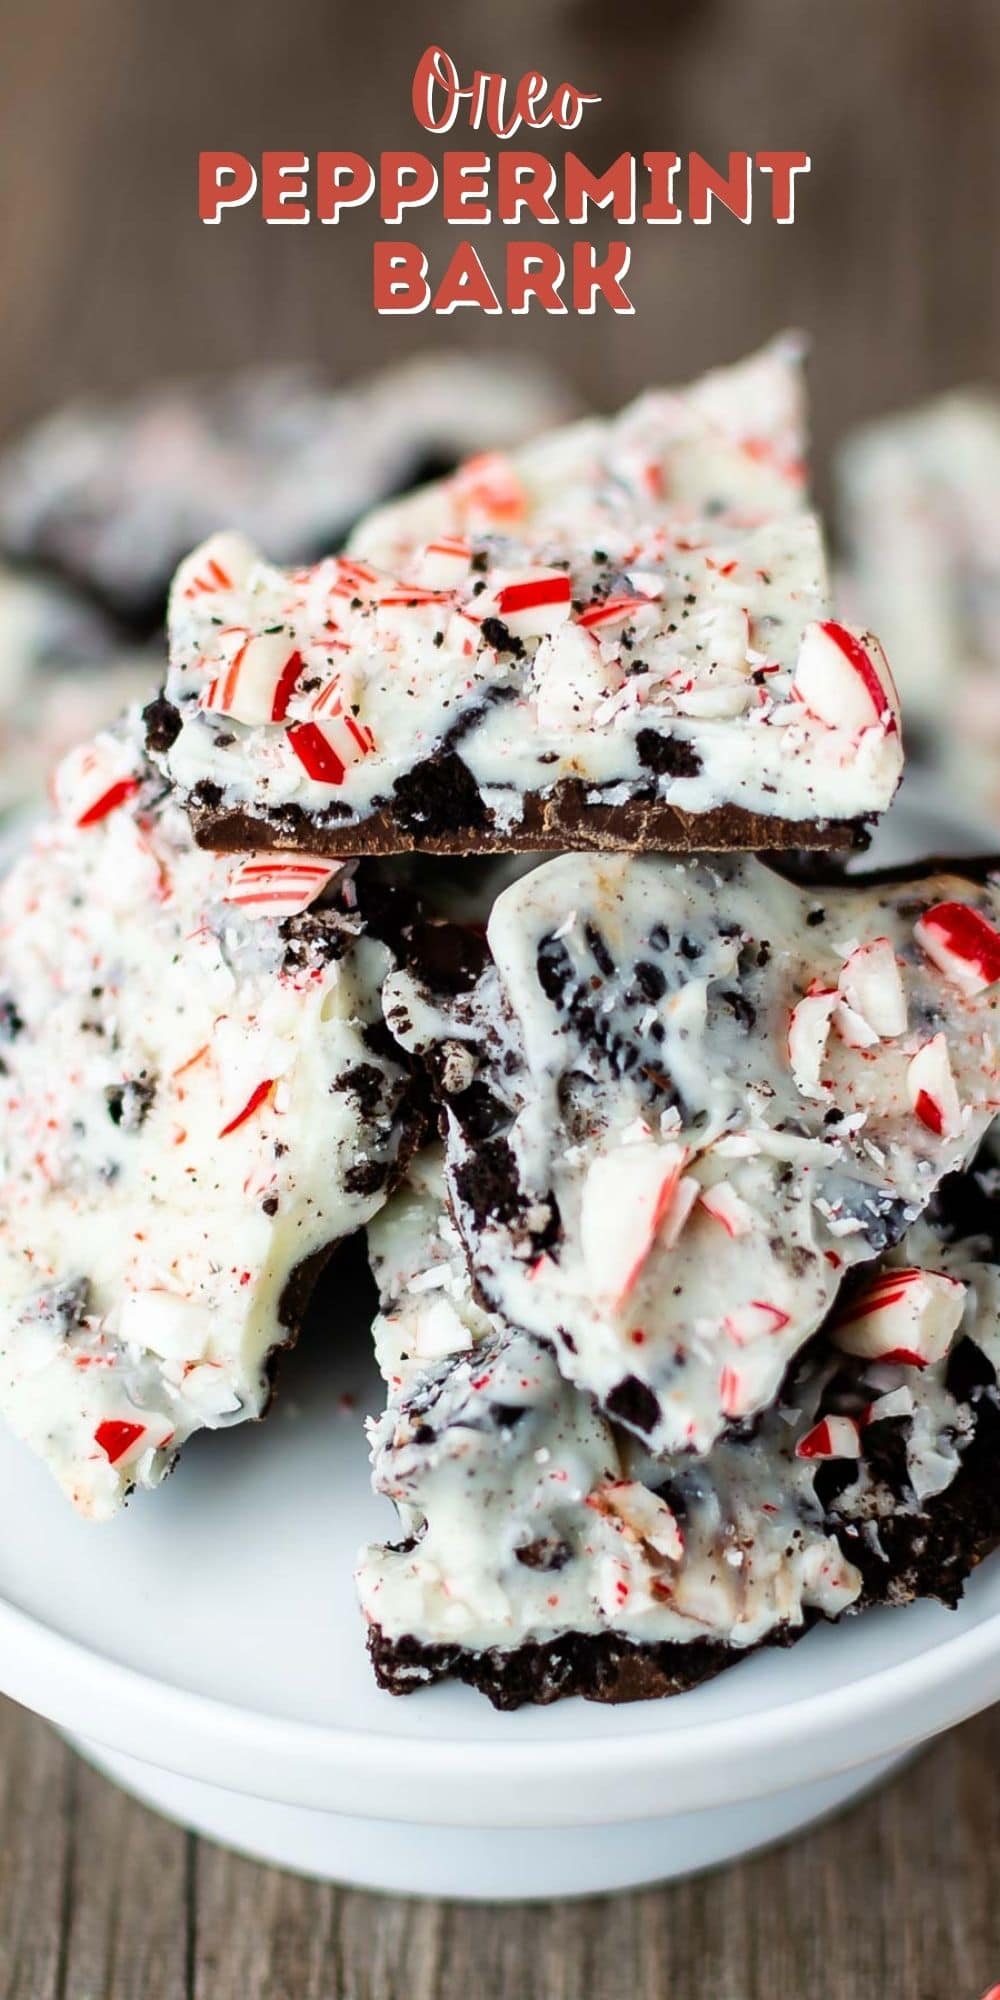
898	1899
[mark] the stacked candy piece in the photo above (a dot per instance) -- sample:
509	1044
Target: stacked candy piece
673	1167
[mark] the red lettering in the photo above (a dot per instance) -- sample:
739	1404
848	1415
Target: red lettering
614	189
784	167
465	187
399	275
435	71
465	284
525	181
661	206
343	180
437	93
405	180
283	187
530	97
706	183
534	270
225	180
591	275
568	105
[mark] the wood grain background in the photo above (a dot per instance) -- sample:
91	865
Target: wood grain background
895	1900
108	279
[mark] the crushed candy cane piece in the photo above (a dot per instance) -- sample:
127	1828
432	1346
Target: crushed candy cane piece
93	781
641	1513
569	678
729	1208
535	602
258	682
222	563
754	1321
327	749
283	884
842	677
962	944
808	1033
612	610
832	1437
905	1315
872	986
117	1437
627	1196
487	486
253	1103
931	1089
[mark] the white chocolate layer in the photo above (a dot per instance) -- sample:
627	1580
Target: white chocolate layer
671	1128
547	617
190	1113
526	1515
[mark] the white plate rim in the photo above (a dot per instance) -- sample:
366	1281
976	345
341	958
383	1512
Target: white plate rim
437	1780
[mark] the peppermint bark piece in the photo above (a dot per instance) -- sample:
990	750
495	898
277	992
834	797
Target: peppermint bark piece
622	638
197	1105
543	1554
64	674
682	1099
920	536
111	494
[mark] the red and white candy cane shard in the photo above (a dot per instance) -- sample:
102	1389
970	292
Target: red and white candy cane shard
932	1091
258	683
333	698
732	1393
872	985
641	1513
832	1437
724	1204
488	487
444	563
116	1437
808	1034
627	1198
220	564
754	1321
536	602
906	1315
412	596
282	884
109	801
353	578
612	611
327	749
963	945
853	1028
257	1097
842	677
93	781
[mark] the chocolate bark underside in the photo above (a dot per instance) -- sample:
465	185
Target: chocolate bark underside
928	1555
437	808
560	821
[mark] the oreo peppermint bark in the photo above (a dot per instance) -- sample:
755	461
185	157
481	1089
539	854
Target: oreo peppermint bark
197	1106
682	1099
544	1554
621	638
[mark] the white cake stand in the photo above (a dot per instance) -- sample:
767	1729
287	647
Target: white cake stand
206	1652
